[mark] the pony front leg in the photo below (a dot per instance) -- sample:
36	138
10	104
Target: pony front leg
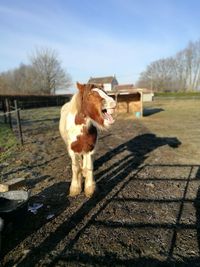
76	183
88	174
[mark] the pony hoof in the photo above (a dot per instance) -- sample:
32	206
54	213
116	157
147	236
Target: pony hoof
74	191
89	191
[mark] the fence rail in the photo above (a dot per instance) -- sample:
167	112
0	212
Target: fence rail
12	104
34	101
7	114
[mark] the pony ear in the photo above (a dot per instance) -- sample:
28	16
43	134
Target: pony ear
80	86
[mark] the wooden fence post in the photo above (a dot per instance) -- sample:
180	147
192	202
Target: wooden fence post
4	110
8	112
127	102
18	123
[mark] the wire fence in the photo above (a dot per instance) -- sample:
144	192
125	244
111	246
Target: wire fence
11	105
34	101
7	113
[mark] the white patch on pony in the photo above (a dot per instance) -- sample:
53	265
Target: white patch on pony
101	93
73	130
70	119
110	102
107	107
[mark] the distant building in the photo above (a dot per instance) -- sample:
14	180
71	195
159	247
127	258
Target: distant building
120	88
108	82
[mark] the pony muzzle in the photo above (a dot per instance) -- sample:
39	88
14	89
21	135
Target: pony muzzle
108	111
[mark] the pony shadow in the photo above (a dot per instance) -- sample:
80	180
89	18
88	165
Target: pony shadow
108	259
138	149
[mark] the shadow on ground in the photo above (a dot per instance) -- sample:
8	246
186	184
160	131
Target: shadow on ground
72	243
151	111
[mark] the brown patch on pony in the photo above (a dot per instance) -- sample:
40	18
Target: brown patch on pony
95	114
93	102
86	141
88	104
79	118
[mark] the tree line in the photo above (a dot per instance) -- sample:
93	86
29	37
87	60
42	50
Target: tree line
178	73
43	75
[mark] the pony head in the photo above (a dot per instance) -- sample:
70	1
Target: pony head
96	104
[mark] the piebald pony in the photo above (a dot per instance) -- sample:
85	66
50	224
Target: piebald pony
90	108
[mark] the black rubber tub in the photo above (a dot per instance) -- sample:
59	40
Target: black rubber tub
1	227
13	205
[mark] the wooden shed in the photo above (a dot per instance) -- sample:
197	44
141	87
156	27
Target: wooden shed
129	102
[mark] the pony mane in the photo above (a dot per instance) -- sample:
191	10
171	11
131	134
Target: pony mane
75	103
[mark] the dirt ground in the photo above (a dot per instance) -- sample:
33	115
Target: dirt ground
146	211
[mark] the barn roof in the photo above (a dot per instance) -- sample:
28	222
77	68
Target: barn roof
124	87
130	88
107	79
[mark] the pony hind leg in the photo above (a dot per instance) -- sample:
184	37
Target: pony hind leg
87	171
76	183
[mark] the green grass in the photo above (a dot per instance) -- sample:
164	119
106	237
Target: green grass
40	113
177	118
167	118
8	142
178	94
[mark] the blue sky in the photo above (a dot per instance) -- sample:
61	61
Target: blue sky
97	38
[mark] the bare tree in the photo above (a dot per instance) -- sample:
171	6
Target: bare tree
9	83
49	75
192	54
158	75
18	81
3	84
25	80
43	76
181	72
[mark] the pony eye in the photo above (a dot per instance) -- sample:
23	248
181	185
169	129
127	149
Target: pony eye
103	102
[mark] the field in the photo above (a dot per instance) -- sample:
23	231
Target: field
146	211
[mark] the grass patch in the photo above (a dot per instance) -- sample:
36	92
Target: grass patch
180	119
179	94
8	142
